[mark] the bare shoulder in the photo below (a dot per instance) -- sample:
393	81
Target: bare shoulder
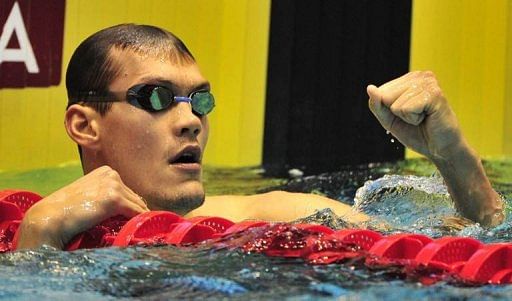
238	207
271	206
232	207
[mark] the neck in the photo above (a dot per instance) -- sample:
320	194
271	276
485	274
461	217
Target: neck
90	161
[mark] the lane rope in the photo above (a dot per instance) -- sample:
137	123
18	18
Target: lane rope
414	256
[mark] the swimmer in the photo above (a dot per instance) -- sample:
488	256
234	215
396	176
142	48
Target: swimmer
138	110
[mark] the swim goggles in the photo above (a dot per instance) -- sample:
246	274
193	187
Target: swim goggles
155	98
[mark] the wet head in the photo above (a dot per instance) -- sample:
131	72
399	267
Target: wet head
157	154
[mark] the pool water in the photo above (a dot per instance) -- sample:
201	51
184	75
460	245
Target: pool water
408	196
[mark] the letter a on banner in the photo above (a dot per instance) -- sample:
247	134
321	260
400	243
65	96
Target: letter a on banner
25	54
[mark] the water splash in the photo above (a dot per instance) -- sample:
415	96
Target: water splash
325	217
412	203
422	205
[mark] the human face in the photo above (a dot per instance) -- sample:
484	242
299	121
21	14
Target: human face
157	154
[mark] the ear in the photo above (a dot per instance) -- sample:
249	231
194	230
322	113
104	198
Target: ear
82	125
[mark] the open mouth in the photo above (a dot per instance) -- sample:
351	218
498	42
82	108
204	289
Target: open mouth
188	155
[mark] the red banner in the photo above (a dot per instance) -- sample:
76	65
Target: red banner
31	42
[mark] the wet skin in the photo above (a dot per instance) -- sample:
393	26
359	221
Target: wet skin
129	157
143	146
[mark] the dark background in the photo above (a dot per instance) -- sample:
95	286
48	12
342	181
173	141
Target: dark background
322	55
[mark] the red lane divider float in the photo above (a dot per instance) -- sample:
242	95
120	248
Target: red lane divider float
13	205
416	256
448	253
491	263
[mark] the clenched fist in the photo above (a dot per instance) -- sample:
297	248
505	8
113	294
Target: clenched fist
414	109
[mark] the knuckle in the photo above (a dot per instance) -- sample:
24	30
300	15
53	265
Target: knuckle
395	109
434	90
387	96
110	191
103	168
109	204
115	186
113	175
428	74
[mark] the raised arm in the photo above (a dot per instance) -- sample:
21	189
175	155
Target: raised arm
414	109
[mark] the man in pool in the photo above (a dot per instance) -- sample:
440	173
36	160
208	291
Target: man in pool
137	108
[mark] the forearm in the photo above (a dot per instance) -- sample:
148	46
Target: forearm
469	186
34	233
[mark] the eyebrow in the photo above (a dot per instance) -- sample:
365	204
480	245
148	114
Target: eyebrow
160	80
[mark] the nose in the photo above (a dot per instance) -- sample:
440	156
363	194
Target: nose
186	123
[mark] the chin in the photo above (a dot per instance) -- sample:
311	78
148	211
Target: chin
182	199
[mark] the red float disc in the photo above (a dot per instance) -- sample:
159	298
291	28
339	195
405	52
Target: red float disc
242	226
328	249
146	227
187	232
22	198
448	253
364	239
290	241
7	232
487	262
6	192
10	211
90	239
218	224
502	277
99	236
328	257
399	246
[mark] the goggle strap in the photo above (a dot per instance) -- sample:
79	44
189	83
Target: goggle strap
182	99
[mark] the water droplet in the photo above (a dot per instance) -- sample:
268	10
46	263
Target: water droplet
392	140
295	173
